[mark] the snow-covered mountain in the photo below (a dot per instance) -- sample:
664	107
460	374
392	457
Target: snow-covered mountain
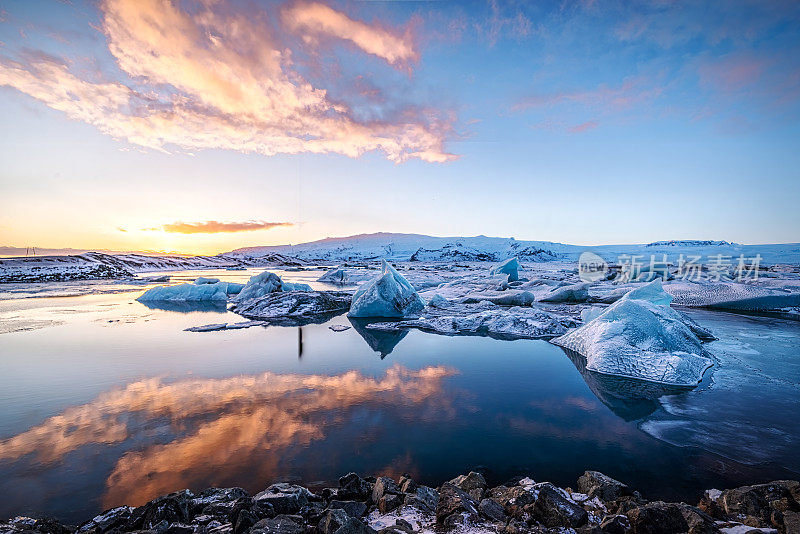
416	247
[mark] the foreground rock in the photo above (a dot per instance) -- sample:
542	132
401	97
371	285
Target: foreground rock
464	504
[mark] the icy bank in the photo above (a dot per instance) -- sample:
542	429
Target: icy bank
641	338
386	295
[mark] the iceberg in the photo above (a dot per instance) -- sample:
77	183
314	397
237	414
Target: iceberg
337	275
266	283
573	293
641	338
386	295
200	280
187	293
509	267
295	305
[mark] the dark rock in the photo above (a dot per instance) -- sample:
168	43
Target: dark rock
215	495
172	508
615	524
281	524
454	500
284	498
179	528
383	486
115	517
355	526
313	512
404	525
407	485
423	498
473	483
389	502
791	522
244	520
333	521
596	484
492	510
760	500
698	521
351	508
515	527
657	517
352	486
553	509
512	496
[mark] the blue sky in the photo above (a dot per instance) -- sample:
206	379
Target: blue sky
586	122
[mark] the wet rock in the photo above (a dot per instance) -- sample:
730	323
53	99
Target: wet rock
454	500
351	508
281	524
284	498
407	485
244	520
423	498
553	509
512	496
355	526
657	517
760	500
596	484
215	495
404	525
172	508
383	486
492	510
352	486
389	502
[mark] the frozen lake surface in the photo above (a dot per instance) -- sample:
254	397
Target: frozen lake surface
106	401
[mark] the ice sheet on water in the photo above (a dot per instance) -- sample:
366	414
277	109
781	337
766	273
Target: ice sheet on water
387	295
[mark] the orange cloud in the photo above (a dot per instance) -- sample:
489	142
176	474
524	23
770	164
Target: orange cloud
315	19
214	78
243	426
215	227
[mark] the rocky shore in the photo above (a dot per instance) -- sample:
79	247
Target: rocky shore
598	504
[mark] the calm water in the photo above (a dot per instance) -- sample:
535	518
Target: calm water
109	402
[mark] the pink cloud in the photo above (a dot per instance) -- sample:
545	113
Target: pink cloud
314	19
632	91
215	78
216	227
733	72
583	127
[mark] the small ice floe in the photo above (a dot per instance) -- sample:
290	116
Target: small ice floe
200	280
187	293
387	295
641	338
570	293
225	326
339	327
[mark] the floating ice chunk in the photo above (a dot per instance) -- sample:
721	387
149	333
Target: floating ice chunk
337	275
293	305
636	338
234	288
573	293
200	280
386	295
588	314
187	293
651	292
266	283
339	327
509	267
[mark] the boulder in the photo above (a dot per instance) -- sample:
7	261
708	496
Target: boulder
605	488
492	510
553	509
284	498
281	524
657	517
389	502
333	521
423	498
383	486
352	486
351	508
453	500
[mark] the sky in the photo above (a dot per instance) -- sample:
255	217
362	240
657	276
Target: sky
200	126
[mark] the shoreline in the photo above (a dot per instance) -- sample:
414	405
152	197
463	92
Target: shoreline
466	504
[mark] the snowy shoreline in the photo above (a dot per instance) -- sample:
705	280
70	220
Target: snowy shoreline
597	504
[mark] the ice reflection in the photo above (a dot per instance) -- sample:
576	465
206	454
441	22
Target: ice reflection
182	434
185	307
628	398
381	341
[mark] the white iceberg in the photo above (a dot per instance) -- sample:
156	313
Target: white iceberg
509	267
652	292
386	295
337	275
266	283
187	293
641	338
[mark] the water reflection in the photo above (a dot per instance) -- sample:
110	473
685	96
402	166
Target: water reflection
194	433
380	341
628	398
186	307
